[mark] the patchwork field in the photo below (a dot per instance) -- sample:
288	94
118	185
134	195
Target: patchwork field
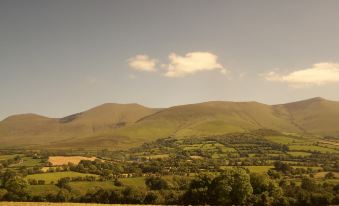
64	160
55	176
28	162
6	157
177	161
84	186
322	174
283	139
312	148
41	190
299	154
135	181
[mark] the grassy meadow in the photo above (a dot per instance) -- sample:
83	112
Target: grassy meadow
55	176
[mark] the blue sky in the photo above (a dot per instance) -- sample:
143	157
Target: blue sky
59	57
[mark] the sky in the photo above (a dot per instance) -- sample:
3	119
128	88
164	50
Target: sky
59	57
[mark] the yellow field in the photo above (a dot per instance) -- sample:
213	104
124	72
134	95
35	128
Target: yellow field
64	160
330	142
322	174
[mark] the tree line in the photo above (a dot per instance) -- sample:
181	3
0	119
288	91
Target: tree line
232	187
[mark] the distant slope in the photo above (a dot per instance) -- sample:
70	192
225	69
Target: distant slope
105	117
315	116
31	129
213	118
26	128
126	125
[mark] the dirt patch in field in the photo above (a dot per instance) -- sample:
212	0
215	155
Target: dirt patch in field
196	157
322	174
64	160
330	142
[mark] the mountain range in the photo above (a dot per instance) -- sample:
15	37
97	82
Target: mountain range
126	125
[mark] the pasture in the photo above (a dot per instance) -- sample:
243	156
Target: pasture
312	148
28	162
55	176
134	181
42	190
84	186
299	154
282	139
6	157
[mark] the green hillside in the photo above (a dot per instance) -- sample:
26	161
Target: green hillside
210	118
31	129
127	125
315	116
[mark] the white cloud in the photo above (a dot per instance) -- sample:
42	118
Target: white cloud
319	74
142	63
191	63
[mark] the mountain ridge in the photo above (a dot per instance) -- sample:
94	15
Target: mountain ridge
112	124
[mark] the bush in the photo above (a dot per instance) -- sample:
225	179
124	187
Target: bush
156	183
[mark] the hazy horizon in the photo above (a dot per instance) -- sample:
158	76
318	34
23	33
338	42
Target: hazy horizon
61	57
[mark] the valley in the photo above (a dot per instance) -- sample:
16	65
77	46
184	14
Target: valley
129	154
82	175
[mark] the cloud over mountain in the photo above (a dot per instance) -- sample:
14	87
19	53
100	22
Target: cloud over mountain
316	75
179	66
142	62
191	63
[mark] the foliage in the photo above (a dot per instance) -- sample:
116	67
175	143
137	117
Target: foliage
156	183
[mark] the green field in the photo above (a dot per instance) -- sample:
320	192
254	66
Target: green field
158	156
306	167
42	190
84	186
6	157
228	149
55	176
299	154
28	162
312	148
282	139
134	181
259	169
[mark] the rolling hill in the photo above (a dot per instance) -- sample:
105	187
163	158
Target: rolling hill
31	129
314	116
127	125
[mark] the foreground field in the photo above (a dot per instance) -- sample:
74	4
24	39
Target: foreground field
48	204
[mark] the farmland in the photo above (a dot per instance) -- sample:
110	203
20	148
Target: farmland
64	160
82	175
6	157
55	176
312	148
